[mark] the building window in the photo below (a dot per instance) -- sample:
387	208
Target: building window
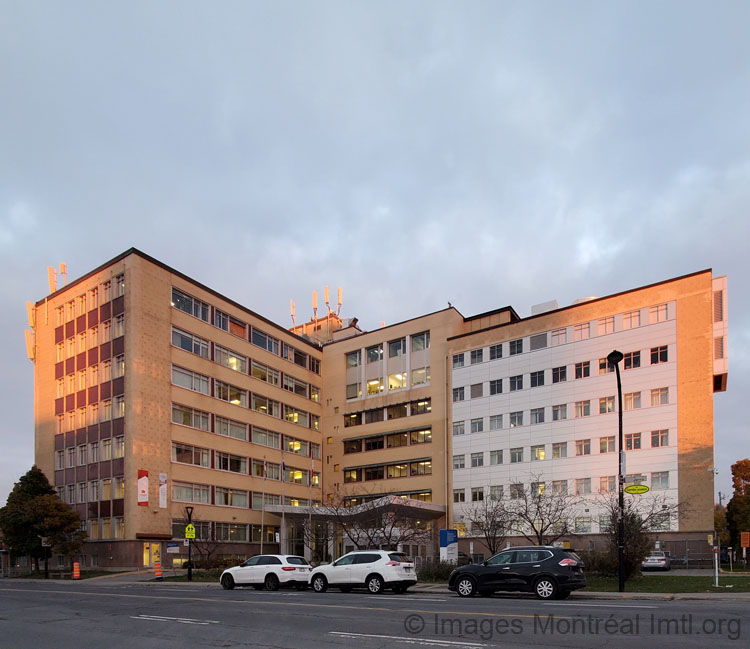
559	374
477	494
660	397
559	336
560	412
560	487
516	419
264	373
233	360
119	488
477	460
606	405
420	341
397	381
496	422
605	367
660	480
421	407
632	441
231	497
120	285
230	462
516	455
420	436
458	461
396	348
476	390
264	341
477	425
119	329
632	360
59	460
516	490
583	370
659	438
607	484
538	453
537	415
657	313
583	525
631	320
659	355
496	351
607	444
119	365
265	406
477	356
353	359
583	408
93	452
459	495
399	470
107	489
374	353
496	457
459	428
190	380
353	391
583	447
119	406
516	347
537	379
458	361
230	393
583	486
632	401
496	386
458	394
94	491
119	446
420	376
375	386
606	326
496	492
516	383
581	331
537	341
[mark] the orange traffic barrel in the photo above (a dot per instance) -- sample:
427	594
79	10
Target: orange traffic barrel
76	570
157	570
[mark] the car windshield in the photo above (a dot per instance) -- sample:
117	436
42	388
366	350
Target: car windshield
297	561
399	556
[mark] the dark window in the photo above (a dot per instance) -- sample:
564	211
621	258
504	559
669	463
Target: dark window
496	386
537	379
496	351
659	355
632	360
516	346
374	443
559	374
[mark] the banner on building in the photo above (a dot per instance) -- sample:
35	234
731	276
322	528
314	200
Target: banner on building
142	488
162	490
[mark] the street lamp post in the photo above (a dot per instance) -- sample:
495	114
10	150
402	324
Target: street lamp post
189	512
614	358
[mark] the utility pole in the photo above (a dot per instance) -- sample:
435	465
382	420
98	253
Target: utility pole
613	359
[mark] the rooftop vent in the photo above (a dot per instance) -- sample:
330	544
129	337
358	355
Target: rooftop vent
536	309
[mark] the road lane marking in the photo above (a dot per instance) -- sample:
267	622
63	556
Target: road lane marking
600	605
181	620
435	642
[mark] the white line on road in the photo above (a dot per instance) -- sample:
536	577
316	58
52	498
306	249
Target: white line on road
409	640
576	604
181	620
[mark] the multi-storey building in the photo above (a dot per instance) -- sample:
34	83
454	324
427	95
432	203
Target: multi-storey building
154	393
534	402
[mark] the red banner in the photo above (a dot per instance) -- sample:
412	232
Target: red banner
142	488
745	539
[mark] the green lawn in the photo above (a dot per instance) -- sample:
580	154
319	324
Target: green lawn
669	584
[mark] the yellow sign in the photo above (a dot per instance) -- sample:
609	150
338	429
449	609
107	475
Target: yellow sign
190	531
636	489
710	539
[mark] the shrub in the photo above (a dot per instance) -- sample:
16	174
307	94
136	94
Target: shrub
439	571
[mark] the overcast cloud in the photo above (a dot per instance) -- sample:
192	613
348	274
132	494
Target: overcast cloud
486	153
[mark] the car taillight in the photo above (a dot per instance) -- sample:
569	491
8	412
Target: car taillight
568	562
288	568
393	563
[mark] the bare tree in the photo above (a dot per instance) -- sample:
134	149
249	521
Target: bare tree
317	537
204	546
540	513
492	518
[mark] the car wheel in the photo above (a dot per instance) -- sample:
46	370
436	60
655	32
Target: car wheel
227	582
375	584
545	588
563	594
271	582
319	584
465	587
345	589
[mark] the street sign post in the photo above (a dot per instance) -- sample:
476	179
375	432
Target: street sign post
189	536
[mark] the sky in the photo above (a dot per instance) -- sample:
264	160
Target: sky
414	153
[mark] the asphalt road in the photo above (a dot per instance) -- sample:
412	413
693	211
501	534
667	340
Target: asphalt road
74	616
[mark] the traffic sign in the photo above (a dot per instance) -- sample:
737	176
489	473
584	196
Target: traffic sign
637	489
189	531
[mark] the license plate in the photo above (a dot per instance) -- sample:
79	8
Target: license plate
407	568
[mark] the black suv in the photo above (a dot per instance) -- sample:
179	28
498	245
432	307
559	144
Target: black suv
546	571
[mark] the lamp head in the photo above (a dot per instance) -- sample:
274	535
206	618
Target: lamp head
614	357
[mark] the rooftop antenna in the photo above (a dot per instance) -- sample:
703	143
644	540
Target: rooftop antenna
64	273
292	311
52	278
315	307
338	311
328	302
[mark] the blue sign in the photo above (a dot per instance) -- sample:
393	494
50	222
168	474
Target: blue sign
448	537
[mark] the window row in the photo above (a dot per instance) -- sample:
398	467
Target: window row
352	501
92	491
92	414
396	348
388	440
218	531
242	364
582	331
203	494
385	471
582	447
91	299
90	339
196	382
85	454
396	381
91	376
199	456
396	411
199	309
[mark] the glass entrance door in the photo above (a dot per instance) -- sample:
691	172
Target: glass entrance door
151	553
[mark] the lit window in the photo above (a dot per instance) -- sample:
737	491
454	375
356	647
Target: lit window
537	453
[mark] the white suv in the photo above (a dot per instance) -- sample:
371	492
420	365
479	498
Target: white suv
375	570
269	571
